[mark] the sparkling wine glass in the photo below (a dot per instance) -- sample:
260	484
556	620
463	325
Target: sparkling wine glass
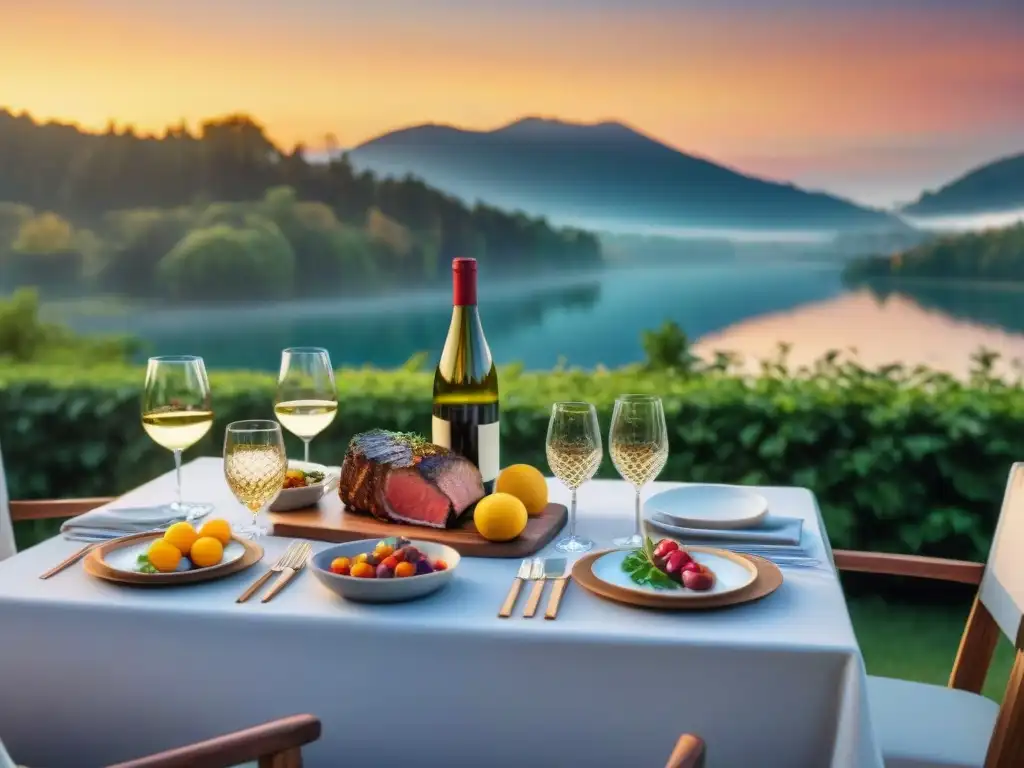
307	399
574	454
255	464
638	444
176	414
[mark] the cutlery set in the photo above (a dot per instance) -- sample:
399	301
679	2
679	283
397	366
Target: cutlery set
290	563
538	570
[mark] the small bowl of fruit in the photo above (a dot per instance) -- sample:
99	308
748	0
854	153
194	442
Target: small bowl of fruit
390	570
305	483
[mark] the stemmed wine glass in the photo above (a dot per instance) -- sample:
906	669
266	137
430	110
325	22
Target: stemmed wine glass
255	464
177	413
638	443
307	399
574	454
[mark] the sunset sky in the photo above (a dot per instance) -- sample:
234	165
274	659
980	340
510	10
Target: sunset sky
870	99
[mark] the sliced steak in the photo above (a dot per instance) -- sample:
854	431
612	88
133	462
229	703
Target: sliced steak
404	478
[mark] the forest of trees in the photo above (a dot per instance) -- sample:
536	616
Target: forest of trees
994	254
223	213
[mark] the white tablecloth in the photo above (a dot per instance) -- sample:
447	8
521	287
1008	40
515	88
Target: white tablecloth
92	672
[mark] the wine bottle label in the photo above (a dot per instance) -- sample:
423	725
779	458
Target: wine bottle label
463	432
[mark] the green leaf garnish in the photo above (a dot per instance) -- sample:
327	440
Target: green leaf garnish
642	570
144	566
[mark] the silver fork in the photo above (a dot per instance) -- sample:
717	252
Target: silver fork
294	564
277	567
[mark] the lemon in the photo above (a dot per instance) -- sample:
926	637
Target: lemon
219	529
206	551
527	484
164	556
181	536
500	517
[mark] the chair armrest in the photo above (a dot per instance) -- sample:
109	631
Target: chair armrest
47	509
962	571
234	748
689	753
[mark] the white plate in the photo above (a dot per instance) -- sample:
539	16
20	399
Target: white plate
710	506
732	572
383	590
300	498
126	558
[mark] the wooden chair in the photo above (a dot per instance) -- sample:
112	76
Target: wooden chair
689	753
928	725
277	744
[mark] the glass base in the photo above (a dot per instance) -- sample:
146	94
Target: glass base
188	510
633	542
251	530
574	544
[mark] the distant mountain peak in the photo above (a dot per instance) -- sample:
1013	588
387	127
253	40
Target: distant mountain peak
540	127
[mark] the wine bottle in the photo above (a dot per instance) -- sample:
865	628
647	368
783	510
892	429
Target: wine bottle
466	382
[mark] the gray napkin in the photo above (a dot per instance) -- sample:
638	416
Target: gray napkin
773	530
107	523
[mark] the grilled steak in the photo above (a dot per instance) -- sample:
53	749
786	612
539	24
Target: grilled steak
404	478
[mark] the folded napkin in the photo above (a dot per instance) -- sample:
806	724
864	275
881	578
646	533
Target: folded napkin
107	523
783	532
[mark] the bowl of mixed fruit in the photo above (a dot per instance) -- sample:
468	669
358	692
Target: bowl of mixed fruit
386	571
305	483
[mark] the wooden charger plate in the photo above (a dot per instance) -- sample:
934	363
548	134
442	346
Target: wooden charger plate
767	580
96	565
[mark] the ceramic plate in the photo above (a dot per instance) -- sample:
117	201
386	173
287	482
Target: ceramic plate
710	506
733	572
117	560
383	590
300	498
125	559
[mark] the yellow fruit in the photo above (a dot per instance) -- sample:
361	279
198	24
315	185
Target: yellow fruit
500	517
206	551
527	484
164	556
219	529
181	536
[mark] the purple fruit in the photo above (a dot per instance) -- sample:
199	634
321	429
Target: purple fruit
373	559
423	567
412	554
383	572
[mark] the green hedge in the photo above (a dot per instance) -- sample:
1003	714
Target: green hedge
900	460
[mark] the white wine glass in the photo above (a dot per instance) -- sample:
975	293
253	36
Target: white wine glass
638	444
574	453
177	413
255	464
307	398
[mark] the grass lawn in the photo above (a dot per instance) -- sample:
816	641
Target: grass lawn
918	641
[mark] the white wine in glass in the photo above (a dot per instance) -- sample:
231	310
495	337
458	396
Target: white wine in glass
638	444
255	464
177	413
574	453
307	398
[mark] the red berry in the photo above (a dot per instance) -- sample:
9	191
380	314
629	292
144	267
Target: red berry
697	580
673	562
440	565
664	547
390	561
691	566
341	570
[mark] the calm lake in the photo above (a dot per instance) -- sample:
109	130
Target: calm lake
747	306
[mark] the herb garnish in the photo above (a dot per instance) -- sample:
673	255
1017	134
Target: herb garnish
144	565
639	564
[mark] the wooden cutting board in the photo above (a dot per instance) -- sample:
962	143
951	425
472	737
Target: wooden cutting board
328	521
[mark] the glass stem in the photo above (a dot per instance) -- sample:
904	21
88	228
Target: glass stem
572	515
305	449
177	472
638	531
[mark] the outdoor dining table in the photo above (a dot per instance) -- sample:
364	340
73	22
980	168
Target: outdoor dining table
93	672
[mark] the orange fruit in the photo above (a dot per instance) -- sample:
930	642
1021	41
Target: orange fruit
181	536
164	556
219	529
500	517
527	484
206	551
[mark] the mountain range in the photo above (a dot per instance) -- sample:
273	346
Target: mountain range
996	186
604	173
